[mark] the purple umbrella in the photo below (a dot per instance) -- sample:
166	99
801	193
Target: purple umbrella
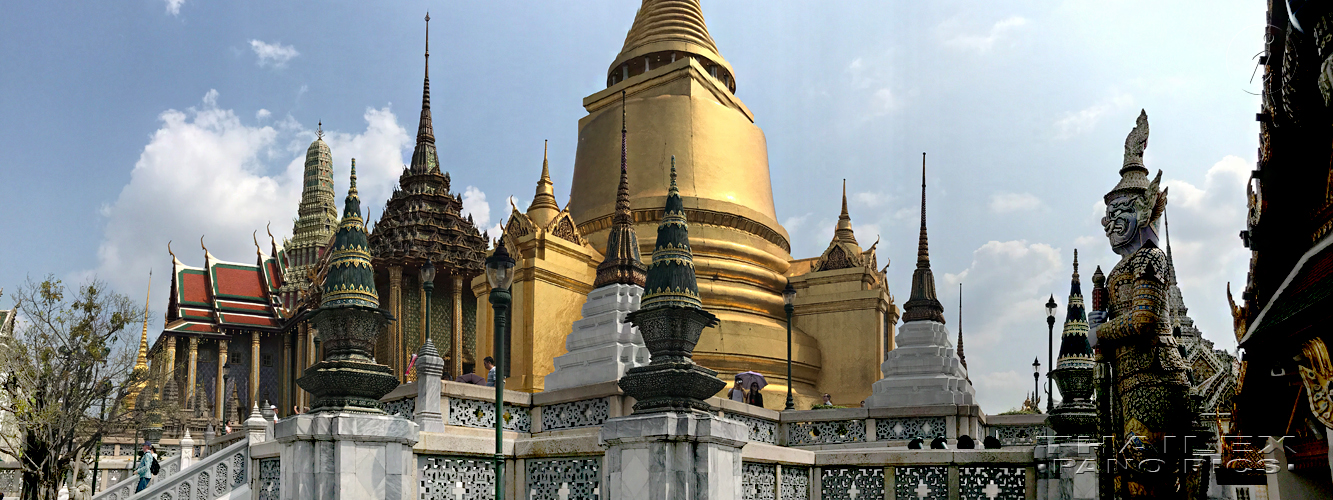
750	378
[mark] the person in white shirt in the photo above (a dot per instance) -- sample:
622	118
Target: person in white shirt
737	392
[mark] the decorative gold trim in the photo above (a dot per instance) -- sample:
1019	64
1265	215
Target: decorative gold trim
696	217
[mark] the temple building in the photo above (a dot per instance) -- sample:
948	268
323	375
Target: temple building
679	95
223	344
1282	312
422	221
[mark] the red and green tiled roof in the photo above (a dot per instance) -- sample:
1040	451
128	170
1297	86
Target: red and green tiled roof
224	295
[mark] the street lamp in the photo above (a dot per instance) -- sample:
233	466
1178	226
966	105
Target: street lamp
1036	375
427	284
500	275
788	295
1050	346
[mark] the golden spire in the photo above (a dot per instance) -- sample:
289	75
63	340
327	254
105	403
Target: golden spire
142	360
141	363
544	208
666	26
844	229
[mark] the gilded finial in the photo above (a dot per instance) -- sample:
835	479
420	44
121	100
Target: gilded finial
201	243
1075	263
351	188
169	252
844	198
255	237
673	189
319	130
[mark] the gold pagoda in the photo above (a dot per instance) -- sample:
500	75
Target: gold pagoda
679	96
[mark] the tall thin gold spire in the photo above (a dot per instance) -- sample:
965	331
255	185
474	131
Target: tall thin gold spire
142	360
923	305
544	208
843	232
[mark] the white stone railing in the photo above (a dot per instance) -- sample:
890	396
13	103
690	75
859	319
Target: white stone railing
224	441
224	474
1018	430
125	488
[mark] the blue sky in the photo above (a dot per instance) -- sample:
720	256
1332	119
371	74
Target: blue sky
128	124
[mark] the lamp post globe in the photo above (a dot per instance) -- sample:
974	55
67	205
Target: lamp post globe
1050	348
500	275
788	297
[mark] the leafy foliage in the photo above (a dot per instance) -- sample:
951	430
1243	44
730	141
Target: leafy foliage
66	374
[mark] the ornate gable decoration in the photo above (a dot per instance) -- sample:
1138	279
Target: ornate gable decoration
563	227
519	224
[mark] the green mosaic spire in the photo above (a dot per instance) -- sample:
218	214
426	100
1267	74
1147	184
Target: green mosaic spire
1074	348
350	279
671	275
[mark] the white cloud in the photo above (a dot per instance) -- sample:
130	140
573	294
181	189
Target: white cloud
1005	288
1084	120
273	54
174	7
883	101
474	204
263	114
1207	253
980	43
206	173
859	79
1003	203
870	200
1005	382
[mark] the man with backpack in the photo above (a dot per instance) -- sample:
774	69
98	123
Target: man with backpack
148	466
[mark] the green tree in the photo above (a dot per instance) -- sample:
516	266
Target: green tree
66	373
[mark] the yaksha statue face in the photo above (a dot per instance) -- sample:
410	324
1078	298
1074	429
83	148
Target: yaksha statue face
1121	223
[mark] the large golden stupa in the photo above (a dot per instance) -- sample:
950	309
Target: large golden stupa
679	99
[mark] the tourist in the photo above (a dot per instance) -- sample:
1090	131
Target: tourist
828	401
489	362
755	398
737	392
145	469
468	377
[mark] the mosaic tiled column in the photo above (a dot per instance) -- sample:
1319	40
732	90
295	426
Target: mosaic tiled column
219	393
456	324
254	366
190	371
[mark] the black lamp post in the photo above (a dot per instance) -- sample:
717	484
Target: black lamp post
788	295
427	284
1036	376
1050	347
500	275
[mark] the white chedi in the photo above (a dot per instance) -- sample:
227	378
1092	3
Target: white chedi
923	370
602	345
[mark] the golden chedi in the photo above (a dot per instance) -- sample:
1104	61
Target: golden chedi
680	100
